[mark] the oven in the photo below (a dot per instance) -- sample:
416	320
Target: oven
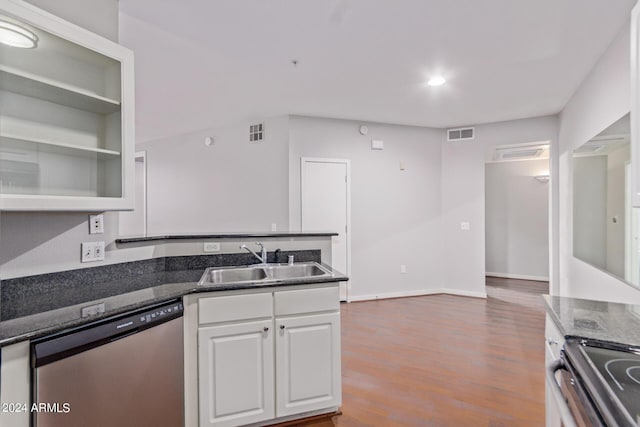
596	384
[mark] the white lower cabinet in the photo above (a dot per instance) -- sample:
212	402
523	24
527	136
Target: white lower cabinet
236	373
15	385
307	363
554	340
262	357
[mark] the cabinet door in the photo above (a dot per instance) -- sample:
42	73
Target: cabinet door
552	413
235	365
307	363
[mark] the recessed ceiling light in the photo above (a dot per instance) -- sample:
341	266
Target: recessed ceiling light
436	81
16	36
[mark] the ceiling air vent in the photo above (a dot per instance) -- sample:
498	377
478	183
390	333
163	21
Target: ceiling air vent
521	152
601	145
461	134
256	132
590	148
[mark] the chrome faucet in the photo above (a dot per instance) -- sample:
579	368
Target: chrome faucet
263	252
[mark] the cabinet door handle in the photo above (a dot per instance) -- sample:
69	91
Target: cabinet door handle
265	329
282	326
551	341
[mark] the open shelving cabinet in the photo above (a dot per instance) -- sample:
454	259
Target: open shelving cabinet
66	117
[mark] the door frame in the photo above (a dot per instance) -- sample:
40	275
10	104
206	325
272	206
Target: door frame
347	163
141	157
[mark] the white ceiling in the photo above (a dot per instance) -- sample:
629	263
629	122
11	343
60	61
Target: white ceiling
205	63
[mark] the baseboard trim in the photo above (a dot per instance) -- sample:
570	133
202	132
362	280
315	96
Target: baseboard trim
418	293
517	276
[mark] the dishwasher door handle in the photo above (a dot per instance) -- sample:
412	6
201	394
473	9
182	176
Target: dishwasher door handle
563	408
124	335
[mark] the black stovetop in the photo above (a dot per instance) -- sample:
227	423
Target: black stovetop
611	375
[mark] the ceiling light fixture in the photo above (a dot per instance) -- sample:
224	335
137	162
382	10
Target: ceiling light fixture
16	36
436	81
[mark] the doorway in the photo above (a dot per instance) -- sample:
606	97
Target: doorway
517	195
325	204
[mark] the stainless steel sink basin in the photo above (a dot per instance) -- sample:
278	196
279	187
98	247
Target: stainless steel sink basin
293	271
233	275
262	273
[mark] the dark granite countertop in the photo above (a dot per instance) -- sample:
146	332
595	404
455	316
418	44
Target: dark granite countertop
36	306
600	320
226	236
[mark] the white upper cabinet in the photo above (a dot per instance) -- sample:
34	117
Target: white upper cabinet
66	115
635	103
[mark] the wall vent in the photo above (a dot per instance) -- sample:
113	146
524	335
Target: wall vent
461	134
256	132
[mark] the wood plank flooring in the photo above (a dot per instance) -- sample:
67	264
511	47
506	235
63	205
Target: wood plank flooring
445	360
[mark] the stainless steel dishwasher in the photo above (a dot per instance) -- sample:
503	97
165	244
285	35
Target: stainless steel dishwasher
121	371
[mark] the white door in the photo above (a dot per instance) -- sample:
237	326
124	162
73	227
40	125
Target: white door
632	228
307	363
235	365
325	204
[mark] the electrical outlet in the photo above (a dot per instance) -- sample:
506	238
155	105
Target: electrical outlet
93	310
211	247
98	251
96	224
274	226
92	251
465	226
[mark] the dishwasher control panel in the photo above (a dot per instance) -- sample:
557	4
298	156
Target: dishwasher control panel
161	313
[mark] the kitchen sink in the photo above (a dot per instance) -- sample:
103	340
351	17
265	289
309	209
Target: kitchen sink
262	273
232	275
293	271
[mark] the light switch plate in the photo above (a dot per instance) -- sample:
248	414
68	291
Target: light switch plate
87	252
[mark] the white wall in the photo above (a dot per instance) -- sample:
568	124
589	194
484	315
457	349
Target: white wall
463	187
517	219
232	185
601	100
395	214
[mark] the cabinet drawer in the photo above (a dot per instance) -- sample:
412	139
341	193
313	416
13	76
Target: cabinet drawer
235	307
307	301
